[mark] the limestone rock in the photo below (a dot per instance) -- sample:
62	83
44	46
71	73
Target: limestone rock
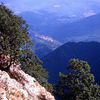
17	85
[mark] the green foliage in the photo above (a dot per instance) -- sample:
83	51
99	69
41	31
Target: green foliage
13	33
33	66
79	83
14	40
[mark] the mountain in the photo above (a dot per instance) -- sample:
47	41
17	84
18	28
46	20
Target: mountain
57	61
43	44
86	29
49	31
69	28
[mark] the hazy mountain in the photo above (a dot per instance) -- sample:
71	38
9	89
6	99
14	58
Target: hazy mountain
69	28
54	30
57	60
82	30
44	22
43	44
60	7
38	21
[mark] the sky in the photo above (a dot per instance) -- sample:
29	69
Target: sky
63	7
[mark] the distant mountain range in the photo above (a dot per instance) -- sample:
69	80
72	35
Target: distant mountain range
57	61
49	31
62	28
87	29
43	44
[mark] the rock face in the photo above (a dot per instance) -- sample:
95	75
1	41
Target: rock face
17	85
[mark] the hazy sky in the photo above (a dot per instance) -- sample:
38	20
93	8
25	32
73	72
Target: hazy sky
69	7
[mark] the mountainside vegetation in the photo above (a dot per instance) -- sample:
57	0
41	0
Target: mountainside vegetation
57	60
78	84
15	42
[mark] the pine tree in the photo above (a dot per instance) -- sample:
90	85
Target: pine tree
15	42
79	83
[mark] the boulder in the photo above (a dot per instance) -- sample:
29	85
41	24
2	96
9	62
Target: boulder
17	85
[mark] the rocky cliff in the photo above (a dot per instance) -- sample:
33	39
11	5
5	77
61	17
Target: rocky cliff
17	85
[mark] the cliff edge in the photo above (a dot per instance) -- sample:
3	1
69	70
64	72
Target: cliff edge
15	84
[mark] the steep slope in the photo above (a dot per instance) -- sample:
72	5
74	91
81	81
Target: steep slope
17	85
57	60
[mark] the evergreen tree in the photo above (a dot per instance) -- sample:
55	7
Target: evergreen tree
79	83
15	42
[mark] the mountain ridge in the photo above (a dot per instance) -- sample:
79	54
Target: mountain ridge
57	61
47	24
86	29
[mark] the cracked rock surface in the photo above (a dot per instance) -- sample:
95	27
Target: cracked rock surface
17	85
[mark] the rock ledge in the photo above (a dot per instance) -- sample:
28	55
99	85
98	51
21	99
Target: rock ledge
17	85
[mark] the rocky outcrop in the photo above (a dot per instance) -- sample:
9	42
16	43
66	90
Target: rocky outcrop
17	85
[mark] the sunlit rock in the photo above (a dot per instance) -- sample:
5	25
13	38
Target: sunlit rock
17	85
